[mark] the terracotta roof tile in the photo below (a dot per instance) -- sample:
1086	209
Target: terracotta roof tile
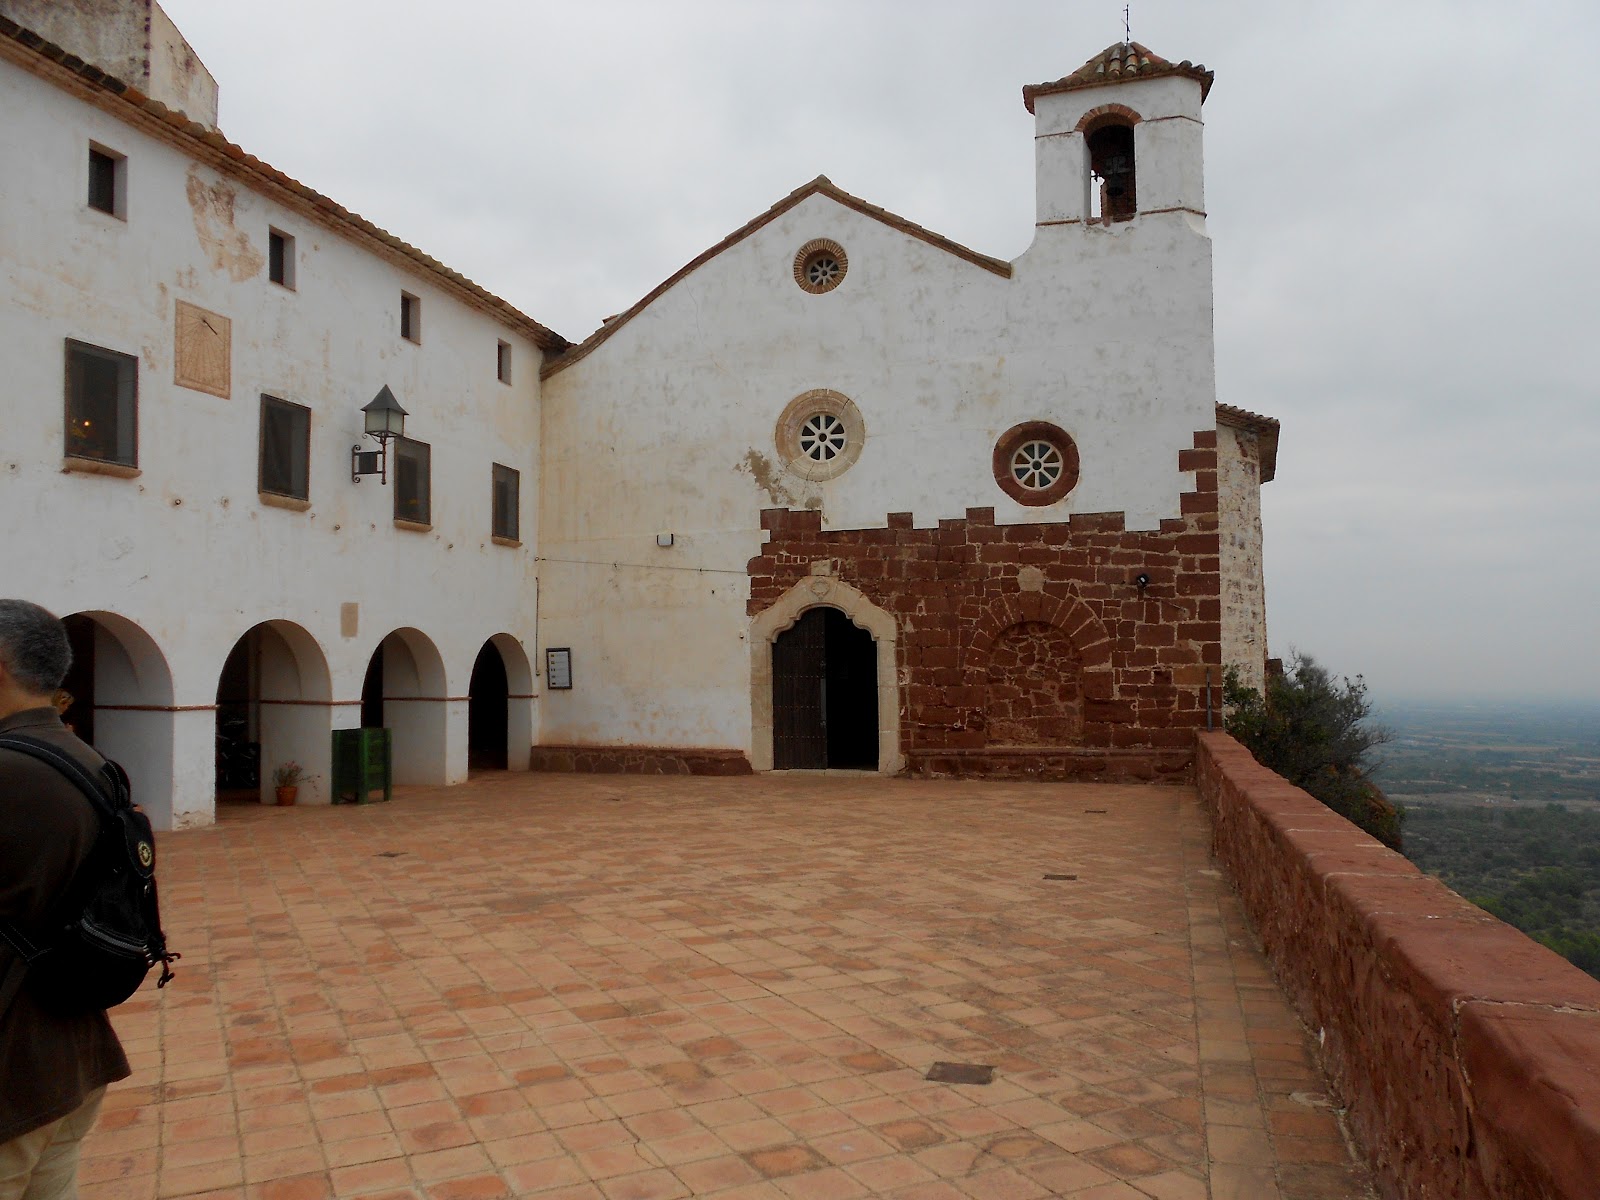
133	106
1266	428
1120	62
820	185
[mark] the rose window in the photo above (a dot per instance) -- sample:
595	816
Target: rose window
822	271
1036	465
823	437
820	265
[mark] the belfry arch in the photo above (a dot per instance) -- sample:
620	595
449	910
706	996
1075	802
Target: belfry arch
822	591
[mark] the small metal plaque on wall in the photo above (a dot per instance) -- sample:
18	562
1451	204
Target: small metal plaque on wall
558	669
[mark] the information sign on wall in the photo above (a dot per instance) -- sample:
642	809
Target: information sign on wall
558	669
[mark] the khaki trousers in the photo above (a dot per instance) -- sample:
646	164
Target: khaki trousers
43	1165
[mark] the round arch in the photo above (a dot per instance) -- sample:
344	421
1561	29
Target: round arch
274	706
820	591
405	691
121	684
500	706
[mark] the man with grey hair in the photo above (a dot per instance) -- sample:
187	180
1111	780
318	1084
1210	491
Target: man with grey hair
53	1068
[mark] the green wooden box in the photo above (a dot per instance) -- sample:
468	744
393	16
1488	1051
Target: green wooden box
363	762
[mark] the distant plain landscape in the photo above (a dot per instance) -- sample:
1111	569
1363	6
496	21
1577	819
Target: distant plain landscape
1502	803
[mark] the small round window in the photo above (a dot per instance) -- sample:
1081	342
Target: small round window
820	266
820	434
822	437
1036	463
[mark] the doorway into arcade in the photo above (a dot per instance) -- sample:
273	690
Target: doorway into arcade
487	703
824	695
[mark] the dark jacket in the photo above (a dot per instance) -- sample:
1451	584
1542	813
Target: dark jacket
48	1063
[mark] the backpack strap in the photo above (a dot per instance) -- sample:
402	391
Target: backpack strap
94	790
105	809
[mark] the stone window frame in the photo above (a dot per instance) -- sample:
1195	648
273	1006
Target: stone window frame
792	422
810	254
413	508
280	258
273	407
107	190
505	505
79	407
411	317
1012	440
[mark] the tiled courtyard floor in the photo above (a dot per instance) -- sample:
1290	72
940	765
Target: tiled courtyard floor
624	988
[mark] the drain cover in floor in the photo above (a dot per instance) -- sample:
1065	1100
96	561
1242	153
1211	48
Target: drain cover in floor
943	1072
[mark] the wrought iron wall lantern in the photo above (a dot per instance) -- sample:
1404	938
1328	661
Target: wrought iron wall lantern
383	419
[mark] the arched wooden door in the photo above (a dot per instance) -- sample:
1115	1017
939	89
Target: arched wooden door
824	695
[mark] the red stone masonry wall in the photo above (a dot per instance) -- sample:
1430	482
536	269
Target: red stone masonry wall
638	760
956	590
1467	1054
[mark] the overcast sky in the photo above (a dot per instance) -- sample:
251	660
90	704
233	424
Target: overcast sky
1404	200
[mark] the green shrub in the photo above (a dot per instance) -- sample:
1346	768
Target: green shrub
1314	731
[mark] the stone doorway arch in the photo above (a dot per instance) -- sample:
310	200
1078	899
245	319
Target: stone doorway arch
824	591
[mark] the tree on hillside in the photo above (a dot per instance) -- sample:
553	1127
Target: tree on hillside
1314	731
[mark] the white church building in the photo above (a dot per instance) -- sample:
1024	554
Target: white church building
839	494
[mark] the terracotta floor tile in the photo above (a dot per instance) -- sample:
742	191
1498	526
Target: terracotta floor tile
763	965
472	1187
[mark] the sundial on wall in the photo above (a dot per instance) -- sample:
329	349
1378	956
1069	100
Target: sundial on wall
201	350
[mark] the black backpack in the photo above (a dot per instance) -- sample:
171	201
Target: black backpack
103	937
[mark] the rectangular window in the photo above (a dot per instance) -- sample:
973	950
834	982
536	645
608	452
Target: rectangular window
507	489
285	448
102	405
280	258
107	181
411	482
502	362
410	317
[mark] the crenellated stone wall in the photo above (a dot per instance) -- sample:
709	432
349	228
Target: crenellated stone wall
985	612
1466	1054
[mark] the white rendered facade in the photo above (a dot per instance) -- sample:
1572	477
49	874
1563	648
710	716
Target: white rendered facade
180	557
646	456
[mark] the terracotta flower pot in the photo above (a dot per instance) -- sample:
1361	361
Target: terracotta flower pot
286	795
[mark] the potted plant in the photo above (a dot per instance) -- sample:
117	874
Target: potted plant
287	778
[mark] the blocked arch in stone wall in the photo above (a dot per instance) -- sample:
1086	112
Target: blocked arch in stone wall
1080	635
823	591
1068	613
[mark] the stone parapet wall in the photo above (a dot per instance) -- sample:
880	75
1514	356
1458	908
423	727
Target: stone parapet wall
1051	766
1467	1055
638	760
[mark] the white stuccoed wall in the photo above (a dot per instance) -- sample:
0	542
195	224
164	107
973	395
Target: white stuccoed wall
187	553
668	426
133	40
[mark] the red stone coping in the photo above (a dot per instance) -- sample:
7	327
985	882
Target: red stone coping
1052	764
639	760
1467	1054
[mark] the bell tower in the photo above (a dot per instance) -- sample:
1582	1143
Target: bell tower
1120	138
